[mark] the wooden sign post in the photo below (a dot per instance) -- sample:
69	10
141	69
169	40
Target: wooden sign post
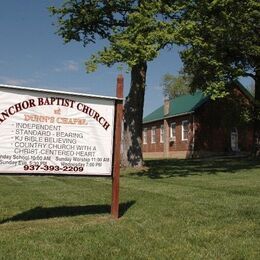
117	144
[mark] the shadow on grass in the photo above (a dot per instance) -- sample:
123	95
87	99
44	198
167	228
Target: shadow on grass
67	211
156	169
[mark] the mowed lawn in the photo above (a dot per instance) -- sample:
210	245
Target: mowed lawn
172	209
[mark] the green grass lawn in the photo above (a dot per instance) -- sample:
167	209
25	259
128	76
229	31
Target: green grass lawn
172	209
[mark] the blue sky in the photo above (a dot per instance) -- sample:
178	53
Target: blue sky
33	55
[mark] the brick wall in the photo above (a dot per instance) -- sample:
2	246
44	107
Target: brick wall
178	145
215	120
157	146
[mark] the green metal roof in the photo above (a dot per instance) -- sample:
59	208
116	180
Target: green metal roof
178	106
187	104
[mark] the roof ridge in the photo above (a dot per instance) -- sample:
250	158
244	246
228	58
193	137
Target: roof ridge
184	104
244	89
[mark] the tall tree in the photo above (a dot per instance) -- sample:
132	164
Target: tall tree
135	32
174	86
222	44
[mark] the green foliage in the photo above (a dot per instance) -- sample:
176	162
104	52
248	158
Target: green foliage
222	42
174	86
135	31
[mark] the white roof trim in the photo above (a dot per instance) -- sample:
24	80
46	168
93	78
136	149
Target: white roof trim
181	114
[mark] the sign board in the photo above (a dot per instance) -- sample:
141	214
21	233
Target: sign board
50	132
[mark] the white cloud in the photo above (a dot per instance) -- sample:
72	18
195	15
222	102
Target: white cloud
15	81
72	66
68	66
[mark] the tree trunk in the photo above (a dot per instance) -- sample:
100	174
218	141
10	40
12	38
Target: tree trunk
133	117
256	148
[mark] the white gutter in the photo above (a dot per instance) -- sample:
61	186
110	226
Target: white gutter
181	114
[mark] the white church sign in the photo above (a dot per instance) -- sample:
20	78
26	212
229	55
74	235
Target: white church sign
51	132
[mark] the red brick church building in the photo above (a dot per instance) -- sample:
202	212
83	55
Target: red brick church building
194	125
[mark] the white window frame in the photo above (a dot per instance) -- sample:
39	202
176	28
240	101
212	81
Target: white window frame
162	134
182	130
153	135
145	136
234	139
173	136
